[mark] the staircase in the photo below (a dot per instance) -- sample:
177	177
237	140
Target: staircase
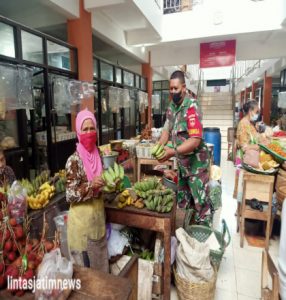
217	112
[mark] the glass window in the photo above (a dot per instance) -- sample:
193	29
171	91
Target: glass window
118	75
32	47
165	100
143	84
106	71
7	46
165	85
138	81
58	56
128	78
157	85
95	68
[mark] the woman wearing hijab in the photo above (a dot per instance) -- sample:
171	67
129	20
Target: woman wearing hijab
86	219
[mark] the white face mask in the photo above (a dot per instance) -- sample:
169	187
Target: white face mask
254	118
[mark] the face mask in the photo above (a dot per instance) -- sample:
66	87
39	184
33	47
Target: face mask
88	140
254	118
176	97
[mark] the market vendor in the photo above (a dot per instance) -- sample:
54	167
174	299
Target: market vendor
185	129
248	137
86	218
7	175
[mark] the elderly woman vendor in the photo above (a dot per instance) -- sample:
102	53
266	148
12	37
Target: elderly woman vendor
86	219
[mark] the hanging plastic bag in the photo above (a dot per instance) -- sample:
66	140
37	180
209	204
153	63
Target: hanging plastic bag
8	82
62	95
54	268
17	202
124	98
24	88
114	98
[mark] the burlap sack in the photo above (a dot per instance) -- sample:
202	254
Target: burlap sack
192	258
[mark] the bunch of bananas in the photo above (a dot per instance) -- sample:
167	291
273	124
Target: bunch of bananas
40	180
113	178
160	201
128	198
40	200
142	188
158	151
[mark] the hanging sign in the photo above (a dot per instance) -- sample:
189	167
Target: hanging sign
217	54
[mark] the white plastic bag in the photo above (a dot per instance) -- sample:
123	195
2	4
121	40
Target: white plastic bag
116	243
54	267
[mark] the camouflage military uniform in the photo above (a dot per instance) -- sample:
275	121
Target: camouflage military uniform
192	168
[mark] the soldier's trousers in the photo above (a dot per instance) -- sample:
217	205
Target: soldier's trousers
193	194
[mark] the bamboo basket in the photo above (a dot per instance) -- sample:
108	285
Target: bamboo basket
195	291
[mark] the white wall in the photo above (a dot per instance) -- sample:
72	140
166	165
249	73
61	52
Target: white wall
152	13
237	16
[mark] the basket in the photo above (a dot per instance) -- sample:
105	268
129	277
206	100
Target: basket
201	233
281	194
188	290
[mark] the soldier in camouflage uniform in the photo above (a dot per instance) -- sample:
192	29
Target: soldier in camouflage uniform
184	127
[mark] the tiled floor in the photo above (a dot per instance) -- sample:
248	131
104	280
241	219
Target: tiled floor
239	277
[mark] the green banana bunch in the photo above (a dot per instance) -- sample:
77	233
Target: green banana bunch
158	151
160	201
113	178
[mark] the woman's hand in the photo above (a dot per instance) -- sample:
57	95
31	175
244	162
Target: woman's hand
97	182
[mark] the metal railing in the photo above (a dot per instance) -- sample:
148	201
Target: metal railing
174	6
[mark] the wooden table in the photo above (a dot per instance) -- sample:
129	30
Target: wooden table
94	285
145	219
152	162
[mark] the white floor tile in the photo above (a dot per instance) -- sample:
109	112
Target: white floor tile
226	279
247	259
248	283
225	295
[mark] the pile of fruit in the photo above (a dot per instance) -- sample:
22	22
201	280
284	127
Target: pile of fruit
128	198
155	196
113	178
277	149
158	151
20	256
43	188
266	161
43	196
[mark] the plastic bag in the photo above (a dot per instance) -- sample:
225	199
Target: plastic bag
17	202
116	243
54	268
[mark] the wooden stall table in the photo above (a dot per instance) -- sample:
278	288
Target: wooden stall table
152	162
145	219
94	285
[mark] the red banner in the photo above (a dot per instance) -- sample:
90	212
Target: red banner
217	54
